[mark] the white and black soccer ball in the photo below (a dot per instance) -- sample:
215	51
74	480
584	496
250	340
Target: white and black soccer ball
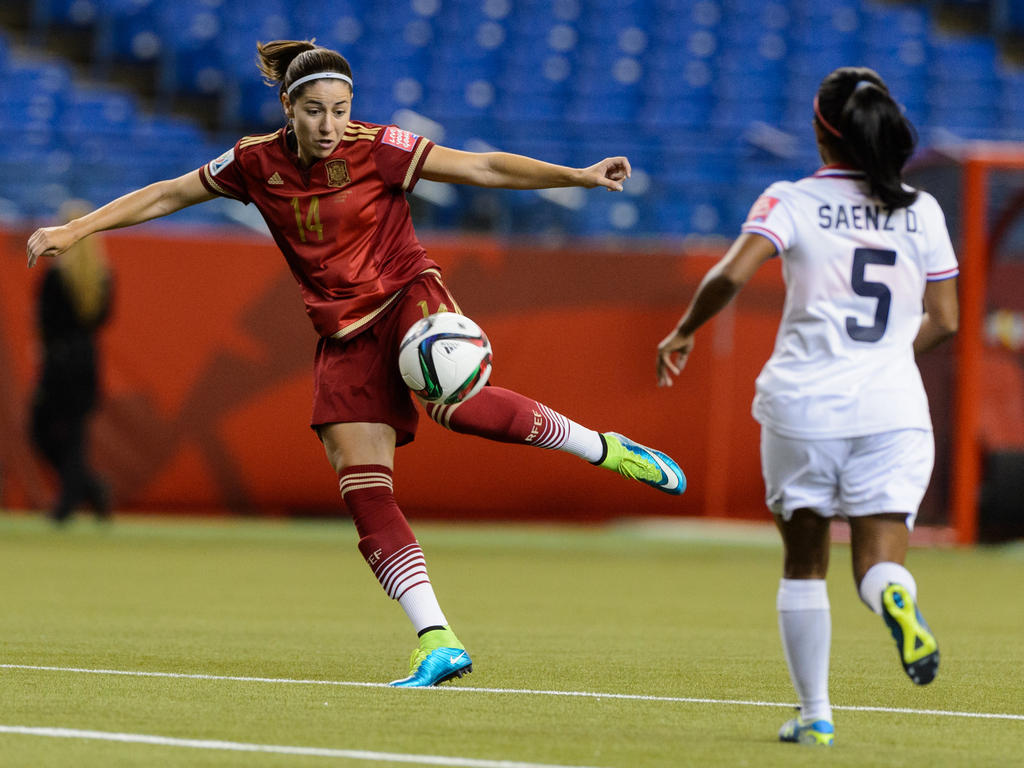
445	358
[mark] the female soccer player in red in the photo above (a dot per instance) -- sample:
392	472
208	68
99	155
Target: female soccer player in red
845	428
333	193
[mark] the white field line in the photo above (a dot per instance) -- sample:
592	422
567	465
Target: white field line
276	749
520	691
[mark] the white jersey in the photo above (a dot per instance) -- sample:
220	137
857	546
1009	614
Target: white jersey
855	273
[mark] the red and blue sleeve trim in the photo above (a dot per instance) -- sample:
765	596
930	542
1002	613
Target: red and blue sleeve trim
946	274
755	229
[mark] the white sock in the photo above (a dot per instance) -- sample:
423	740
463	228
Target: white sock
421	606
583	442
805	624
878	577
566	435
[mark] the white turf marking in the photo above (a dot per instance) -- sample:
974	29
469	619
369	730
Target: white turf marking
521	691
237	746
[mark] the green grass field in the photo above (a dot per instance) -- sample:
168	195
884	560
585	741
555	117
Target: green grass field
270	635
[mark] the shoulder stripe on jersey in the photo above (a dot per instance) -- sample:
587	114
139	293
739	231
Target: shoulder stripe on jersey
358	137
754	229
420	146
352	133
248	141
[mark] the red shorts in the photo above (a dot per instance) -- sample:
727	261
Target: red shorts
357	379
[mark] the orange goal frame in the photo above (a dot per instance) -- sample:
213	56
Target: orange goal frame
978	161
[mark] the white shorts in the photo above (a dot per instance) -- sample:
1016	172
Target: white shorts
850	476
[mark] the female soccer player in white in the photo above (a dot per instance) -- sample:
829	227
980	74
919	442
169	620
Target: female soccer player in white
845	423
333	193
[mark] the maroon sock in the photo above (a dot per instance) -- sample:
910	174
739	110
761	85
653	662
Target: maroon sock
505	416
385	538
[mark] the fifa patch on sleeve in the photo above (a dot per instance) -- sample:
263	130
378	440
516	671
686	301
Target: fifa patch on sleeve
762	207
222	162
396	137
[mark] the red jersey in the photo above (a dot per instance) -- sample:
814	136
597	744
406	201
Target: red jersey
343	224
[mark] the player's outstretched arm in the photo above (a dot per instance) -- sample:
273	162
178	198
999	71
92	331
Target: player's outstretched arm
510	171
722	282
150	202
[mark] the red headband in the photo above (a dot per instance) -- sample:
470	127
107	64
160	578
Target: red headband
825	123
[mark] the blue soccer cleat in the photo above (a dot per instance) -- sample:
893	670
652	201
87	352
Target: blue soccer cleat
813	733
638	462
439	657
918	648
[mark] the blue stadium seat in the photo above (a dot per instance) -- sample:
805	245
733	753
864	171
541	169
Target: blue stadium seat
371	104
963	91
36	178
1014	17
90	108
888	26
962	58
243	30
252	106
35	78
383	67
1010	100
128	30
190	62
677	214
310	18
751	93
71	13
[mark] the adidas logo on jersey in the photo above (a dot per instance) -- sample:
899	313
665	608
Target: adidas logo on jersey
275	179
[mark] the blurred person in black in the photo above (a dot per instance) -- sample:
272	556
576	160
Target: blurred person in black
74	302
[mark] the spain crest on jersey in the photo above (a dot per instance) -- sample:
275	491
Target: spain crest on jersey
337	173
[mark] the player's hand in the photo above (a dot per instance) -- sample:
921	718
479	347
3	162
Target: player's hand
609	173
48	241
673	352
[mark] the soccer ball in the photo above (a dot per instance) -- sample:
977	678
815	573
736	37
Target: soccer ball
445	358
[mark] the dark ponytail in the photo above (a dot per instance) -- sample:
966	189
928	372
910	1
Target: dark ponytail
867	128
282	62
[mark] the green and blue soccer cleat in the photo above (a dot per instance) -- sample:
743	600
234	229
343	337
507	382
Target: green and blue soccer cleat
439	657
919	651
813	733
638	462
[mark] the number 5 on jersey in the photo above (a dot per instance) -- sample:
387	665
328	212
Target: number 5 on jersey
872	290
312	218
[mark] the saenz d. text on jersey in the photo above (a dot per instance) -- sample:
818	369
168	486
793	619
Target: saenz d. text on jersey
866	217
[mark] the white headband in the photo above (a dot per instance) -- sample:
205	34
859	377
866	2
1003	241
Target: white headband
318	76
